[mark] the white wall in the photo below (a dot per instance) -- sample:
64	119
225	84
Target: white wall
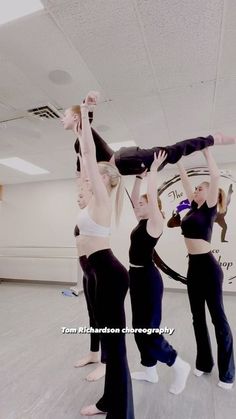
37	219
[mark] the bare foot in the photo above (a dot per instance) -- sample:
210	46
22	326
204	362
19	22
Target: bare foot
91	358
221	139
91	410
99	372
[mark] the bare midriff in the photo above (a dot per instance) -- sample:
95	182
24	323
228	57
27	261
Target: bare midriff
86	245
197	246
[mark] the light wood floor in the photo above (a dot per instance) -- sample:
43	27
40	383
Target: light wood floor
37	378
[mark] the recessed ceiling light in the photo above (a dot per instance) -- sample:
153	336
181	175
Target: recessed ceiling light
23	166
12	9
60	77
117	146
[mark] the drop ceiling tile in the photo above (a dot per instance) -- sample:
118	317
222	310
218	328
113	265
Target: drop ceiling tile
108	37
227	63
225	104
188	109
183	39
230	14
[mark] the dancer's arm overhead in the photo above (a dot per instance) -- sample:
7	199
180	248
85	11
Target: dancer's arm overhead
185	181
213	190
155	221
88	152
135	194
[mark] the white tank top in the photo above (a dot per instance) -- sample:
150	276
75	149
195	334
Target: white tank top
88	227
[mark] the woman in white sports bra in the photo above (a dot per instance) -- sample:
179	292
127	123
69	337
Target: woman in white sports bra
112	278
89	288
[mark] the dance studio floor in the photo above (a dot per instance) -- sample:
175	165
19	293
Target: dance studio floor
37	377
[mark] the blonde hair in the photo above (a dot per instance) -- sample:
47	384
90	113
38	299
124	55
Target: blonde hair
76	109
115	178
221	200
159	203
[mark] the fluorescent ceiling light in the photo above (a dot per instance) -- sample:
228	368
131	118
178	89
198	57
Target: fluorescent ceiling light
23	166
13	9
117	146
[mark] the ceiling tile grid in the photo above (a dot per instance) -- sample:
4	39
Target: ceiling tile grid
229	14
166	71
227	63
16	89
225	106
37	52
189	109
183	38
108	37
7	111
144	116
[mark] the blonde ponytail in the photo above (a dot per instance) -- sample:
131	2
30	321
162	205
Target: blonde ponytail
115	180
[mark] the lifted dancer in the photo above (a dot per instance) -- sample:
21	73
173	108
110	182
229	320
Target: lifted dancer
135	160
89	288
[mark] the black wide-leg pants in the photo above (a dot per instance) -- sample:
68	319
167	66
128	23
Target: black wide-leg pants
204	284
89	287
112	282
134	160
146	291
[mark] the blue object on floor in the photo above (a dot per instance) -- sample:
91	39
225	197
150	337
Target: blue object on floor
67	293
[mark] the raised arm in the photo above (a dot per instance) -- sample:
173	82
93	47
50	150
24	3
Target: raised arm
135	194
213	191
88	152
155	221
82	176
185	181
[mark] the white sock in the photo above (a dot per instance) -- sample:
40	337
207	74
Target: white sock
150	374
225	386
198	373
181	370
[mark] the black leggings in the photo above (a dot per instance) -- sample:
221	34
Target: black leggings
112	283
134	160
146	291
89	286
204	283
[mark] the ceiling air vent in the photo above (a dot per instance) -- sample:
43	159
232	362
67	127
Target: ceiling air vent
47	111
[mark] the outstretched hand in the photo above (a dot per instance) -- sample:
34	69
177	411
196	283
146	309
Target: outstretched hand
158	160
91	98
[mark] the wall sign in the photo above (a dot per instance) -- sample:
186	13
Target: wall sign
175	205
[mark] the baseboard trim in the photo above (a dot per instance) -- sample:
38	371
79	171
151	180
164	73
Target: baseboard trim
70	284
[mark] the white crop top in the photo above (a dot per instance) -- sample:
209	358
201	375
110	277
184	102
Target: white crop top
88	227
